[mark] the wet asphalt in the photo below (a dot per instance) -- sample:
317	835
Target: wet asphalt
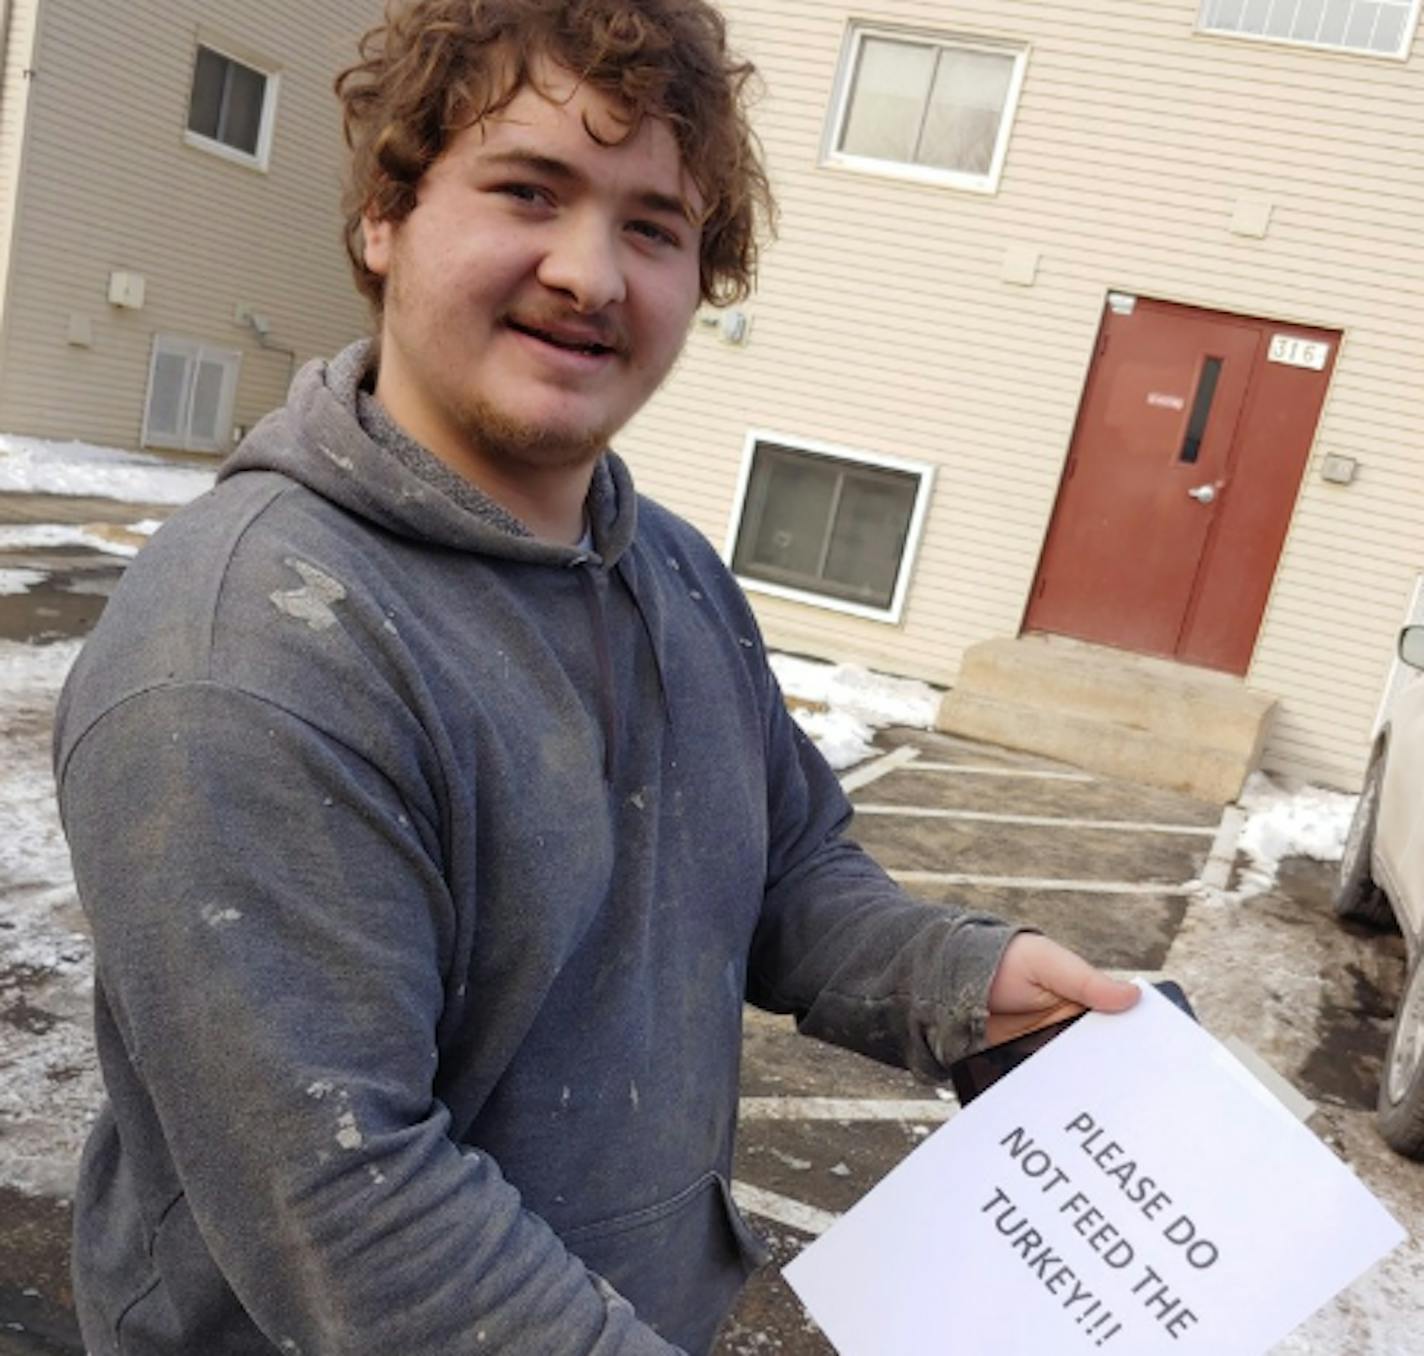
1245	973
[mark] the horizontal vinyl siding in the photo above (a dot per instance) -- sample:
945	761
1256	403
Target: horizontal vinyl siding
14	104
880	321
111	185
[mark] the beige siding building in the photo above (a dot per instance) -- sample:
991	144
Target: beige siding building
169	223
1052	277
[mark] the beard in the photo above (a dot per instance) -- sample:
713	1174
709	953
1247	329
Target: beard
524	445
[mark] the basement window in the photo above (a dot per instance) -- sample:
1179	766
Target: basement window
828	525
192	388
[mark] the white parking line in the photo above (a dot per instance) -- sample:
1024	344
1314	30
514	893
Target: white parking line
1084	887
914	1110
873	772
976	770
1036	821
782	1209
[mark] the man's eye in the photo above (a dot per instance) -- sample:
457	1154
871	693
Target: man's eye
523	192
652	231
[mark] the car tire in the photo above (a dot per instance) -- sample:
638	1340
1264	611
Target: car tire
1401	1098
1357	897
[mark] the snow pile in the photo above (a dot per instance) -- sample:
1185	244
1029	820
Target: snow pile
856	703
36	466
1287	821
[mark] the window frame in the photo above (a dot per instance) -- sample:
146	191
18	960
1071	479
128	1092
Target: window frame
193	351
261	159
856	34
1411	32
922	470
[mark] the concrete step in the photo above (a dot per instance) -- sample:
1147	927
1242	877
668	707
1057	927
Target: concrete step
1144	719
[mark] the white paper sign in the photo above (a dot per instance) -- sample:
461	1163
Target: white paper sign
1129	1190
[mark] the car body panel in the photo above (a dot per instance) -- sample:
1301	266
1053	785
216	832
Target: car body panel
1398	855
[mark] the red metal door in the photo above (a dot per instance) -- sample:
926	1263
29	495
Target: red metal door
1179	485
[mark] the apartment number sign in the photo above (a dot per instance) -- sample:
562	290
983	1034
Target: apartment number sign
1294	351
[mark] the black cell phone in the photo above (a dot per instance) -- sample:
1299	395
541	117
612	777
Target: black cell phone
972	1074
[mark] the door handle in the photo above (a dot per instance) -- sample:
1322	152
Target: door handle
1203	494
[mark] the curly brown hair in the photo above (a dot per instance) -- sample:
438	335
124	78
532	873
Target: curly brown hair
435	67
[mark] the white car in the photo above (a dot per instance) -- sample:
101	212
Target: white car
1381	882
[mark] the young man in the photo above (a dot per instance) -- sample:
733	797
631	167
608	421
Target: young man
430	795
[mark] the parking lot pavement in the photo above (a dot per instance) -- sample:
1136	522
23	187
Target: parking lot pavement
1102	866
35	1298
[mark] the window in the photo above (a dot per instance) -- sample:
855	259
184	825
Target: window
231	108
1375	27
828	525
191	390
937	109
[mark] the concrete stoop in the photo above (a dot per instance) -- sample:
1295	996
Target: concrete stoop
1124	715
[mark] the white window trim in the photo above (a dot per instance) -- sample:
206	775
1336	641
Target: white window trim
268	125
922	469
196	348
988	183
1411	29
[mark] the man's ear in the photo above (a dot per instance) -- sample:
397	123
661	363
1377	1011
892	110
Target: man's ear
377	238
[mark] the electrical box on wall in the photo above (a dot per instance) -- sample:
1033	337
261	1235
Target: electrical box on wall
1338	470
733	326
126	290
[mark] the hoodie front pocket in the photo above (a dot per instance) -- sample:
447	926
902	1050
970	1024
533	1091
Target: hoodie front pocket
680	1263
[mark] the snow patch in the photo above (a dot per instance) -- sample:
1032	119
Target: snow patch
856	703
843	740
16	582
50	1087
42	535
40	466
34	859
1287	819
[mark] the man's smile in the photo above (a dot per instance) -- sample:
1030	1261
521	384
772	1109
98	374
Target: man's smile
595	342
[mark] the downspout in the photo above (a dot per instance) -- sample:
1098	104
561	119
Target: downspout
264	342
261	327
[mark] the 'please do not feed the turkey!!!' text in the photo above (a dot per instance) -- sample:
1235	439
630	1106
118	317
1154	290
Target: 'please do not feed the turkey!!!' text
1059	1207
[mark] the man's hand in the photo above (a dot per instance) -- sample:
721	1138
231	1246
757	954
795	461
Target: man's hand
1039	982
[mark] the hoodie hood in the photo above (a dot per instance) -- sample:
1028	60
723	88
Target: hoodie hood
317	439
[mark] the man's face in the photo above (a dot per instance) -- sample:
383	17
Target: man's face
543	285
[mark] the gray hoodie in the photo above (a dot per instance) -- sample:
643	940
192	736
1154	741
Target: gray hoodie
429	866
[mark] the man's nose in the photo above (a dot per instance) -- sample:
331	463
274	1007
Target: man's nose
584	262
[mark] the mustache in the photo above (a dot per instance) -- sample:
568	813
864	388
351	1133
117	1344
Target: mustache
568	326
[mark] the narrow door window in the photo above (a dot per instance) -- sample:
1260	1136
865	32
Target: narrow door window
1201	410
